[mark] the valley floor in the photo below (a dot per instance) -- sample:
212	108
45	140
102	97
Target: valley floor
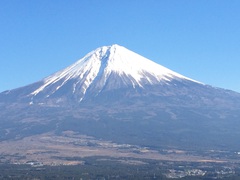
121	168
64	149
70	155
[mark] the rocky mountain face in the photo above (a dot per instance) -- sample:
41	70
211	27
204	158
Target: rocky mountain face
115	94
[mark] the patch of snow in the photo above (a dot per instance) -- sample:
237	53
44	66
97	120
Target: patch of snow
99	64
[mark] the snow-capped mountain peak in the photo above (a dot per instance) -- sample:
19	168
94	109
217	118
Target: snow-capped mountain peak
107	67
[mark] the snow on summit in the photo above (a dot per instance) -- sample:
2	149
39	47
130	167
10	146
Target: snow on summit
108	67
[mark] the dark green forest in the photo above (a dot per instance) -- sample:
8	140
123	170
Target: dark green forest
95	168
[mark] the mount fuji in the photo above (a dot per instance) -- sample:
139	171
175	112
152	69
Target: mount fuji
115	94
105	69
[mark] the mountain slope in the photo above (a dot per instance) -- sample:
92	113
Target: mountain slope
115	94
97	67
104	69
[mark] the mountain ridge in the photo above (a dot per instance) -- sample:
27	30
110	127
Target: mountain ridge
103	70
96	97
93	71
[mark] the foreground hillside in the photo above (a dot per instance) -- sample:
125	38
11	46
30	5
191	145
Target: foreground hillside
114	102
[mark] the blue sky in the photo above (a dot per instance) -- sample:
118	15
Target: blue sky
197	38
